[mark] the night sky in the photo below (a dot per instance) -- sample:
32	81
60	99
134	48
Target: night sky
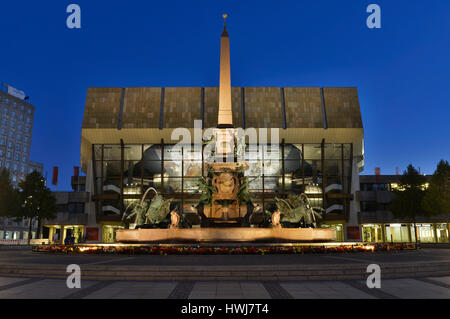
401	70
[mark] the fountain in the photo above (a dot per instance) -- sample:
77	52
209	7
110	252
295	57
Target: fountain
225	206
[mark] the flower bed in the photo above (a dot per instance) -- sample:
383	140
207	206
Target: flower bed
199	250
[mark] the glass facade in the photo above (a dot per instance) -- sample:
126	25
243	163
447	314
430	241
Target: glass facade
405	233
123	173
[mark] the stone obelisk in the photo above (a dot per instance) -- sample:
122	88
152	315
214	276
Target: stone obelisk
225	117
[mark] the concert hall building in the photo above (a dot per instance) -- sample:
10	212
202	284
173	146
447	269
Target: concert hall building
127	146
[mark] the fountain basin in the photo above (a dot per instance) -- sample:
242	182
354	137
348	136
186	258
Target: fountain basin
237	234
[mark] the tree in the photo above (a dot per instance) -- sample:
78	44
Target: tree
9	200
437	197
409	196
36	200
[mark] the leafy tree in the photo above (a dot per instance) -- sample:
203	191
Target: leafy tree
9	200
36	200
409	196
437	197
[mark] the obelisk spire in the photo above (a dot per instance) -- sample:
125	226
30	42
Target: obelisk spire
225	118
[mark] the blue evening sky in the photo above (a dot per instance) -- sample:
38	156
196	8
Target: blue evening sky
401	70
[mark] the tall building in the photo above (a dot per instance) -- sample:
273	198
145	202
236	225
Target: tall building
16	126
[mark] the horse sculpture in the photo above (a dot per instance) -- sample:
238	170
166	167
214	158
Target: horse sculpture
294	209
152	213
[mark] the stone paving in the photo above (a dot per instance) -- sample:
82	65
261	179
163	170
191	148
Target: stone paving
21	288
36	288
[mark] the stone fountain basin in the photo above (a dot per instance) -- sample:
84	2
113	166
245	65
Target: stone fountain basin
237	234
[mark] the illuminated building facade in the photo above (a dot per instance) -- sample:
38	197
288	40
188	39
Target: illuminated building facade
379	225
16	126
127	145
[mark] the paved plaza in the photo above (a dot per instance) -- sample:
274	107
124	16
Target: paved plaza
401	288
423	288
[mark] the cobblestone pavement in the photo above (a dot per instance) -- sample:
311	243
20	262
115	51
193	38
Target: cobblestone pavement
423	288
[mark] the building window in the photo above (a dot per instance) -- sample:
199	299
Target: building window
27	130
13	115
3	131
19	127
22	107
1	152
26	139
16	156
2	141
369	206
4	121
21	117
28	120
7	165
25	148
5	110
8	155
24	159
